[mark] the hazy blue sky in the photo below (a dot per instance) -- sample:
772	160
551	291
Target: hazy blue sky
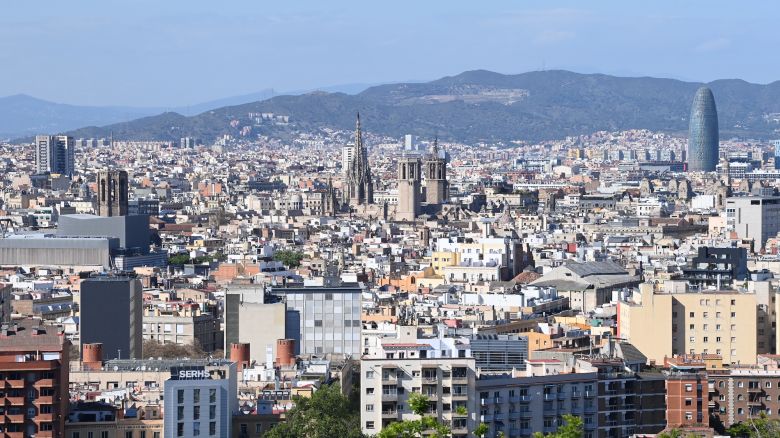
170	53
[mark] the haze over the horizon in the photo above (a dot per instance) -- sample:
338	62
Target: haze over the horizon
177	53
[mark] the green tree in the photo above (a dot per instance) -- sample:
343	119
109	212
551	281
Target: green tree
762	426
290	258
481	430
424	426
571	428
327	413
179	259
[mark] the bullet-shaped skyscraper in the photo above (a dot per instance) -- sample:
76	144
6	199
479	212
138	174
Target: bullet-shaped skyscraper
703	133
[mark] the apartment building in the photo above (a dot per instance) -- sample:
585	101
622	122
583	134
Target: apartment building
722	322
439	368
520	406
745	392
34	377
183	324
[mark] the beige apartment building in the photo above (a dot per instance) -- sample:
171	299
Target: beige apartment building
725	322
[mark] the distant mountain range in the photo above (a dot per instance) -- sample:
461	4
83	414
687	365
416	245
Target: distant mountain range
22	115
481	106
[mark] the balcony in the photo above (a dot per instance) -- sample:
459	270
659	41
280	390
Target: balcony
576	394
44	400
456	414
44	417
14	418
390	380
756	389
526	414
390	415
14	435
460	430
561	396
431	380
16	383
590	394
390	396
549	397
459	396
14	401
432	396
590	409
514	416
486	418
523	398
44	383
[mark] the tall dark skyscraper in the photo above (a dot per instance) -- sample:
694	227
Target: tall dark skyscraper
703	133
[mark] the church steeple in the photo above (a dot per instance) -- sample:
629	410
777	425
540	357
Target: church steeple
359	181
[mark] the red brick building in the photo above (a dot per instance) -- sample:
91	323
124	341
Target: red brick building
34	377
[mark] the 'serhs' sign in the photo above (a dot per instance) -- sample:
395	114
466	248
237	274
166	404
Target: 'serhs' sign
189	373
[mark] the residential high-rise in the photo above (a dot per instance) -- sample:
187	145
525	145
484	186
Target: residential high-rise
360	185
776	144
34	369
54	154
409	188
435	176
112	193
111	313
703	133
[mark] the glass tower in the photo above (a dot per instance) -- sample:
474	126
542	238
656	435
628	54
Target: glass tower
703	133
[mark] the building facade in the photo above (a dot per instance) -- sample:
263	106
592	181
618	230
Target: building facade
55	154
199	402
115	303
703	146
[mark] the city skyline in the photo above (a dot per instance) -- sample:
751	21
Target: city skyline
220	52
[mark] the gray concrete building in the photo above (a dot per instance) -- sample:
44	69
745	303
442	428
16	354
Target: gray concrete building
72	254
111	313
324	319
754	218
199	402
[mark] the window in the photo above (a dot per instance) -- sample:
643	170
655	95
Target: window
369	424
691	314
212	395
180	396
767	384
317	323
212	412
717	339
180	413
369	408
369	374
688	402
706	314
688	387
717	315
706	339
196	395
705	327
369	391
258	428
733	314
104	434
179	429
196	412
213	428
733	302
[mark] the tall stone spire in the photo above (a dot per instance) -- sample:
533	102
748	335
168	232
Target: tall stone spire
360	185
